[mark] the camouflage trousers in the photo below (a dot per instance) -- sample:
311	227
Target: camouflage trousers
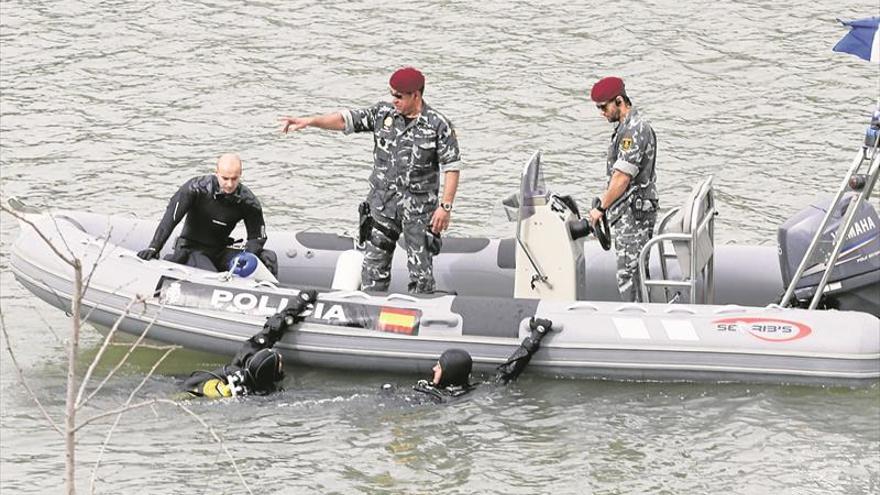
630	236
376	273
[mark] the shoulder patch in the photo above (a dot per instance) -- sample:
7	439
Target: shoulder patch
626	143
387	122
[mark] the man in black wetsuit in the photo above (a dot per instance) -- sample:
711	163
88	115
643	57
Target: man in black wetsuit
213	205
451	377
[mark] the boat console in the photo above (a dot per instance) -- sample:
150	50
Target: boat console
549	262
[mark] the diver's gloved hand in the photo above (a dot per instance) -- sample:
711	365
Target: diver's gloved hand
270	259
279	322
540	325
150	253
291	313
254	246
307	296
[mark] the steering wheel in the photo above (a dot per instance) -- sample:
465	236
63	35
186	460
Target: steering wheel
601	230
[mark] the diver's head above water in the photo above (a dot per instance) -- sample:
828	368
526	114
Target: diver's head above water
265	370
452	369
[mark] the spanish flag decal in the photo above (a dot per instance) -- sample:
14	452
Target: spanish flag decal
399	320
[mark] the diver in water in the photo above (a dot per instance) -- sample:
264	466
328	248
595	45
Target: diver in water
451	374
256	369
451	377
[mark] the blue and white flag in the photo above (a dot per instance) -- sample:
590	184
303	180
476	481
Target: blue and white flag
863	39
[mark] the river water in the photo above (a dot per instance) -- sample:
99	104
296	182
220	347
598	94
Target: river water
110	105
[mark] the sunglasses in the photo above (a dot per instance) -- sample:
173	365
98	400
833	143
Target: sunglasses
603	106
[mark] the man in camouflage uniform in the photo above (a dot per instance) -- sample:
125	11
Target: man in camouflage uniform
631	175
413	144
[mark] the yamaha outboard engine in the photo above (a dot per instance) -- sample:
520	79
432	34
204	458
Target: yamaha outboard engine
854	283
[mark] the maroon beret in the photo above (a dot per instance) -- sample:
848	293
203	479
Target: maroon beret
407	80
606	89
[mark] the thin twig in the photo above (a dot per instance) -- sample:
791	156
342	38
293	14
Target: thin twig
85	381
145	346
124	237
127	354
25	220
63	239
97	260
62	303
45	323
198	418
21	376
216	438
97	304
119	417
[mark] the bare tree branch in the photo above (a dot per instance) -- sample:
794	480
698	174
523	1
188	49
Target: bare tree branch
145	346
119	416
131	229
63	239
97	260
46	323
70	400
27	221
21	375
98	304
127	354
74	394
198	418
62	304
97	358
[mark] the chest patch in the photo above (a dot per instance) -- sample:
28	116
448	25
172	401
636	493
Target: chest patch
626	143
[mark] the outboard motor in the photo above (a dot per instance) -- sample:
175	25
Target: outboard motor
854	283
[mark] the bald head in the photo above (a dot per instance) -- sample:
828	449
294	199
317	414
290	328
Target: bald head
228	172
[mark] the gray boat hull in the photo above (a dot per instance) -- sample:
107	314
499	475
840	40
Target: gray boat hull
740	339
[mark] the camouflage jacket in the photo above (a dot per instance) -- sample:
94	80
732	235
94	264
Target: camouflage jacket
409	155
633	151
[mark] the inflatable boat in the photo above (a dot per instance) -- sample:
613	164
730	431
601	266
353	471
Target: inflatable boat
803	312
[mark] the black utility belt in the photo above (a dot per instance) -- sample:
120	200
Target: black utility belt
642	206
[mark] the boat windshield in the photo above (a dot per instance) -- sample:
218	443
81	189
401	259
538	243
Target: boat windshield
533	191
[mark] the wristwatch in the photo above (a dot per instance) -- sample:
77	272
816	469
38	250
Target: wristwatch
446	206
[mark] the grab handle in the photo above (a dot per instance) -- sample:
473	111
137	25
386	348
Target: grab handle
672	310
350	294
451	321
631	308
731	308
402	297
581	305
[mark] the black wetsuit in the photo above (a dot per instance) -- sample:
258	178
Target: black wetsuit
256	367
427	391
211	216
516	362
